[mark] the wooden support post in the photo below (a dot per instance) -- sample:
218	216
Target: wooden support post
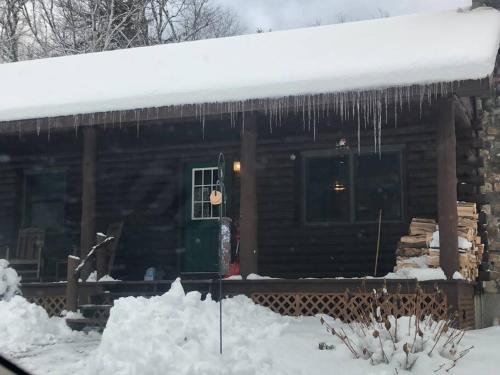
101	258
248	197
447	186
72	284
88	233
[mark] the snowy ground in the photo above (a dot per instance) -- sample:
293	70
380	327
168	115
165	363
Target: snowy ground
64	357
177	333
295	352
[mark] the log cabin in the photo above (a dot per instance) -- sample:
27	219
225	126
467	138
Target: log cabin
322	130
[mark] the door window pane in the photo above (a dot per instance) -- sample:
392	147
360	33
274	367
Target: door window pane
327	189
378	186
198	177
197	194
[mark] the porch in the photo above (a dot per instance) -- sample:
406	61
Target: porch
152	175
336	297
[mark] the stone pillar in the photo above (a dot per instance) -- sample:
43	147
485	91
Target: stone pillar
486	3
488	125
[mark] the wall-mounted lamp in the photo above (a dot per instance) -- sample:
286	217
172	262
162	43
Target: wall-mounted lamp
338	187
236	166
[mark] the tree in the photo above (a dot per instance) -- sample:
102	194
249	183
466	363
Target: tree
62	27
182	20
11	29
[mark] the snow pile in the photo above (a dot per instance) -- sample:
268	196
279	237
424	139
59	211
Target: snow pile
24	325
349	57
93	278
463	243
421	274
178	333
421	345
9	281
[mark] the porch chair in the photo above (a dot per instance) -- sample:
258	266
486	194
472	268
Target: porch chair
27	260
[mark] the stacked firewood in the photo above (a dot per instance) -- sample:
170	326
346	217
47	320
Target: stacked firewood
420	249
469	256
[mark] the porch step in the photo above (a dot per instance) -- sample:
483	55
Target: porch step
95	311
27	275
108	298
86	324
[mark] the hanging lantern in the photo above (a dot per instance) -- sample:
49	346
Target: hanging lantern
216	197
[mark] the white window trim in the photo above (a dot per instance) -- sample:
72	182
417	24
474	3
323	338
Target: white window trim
193	185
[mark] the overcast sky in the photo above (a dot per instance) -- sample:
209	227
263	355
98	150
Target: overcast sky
287	14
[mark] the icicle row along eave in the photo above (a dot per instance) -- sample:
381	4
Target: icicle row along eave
365	107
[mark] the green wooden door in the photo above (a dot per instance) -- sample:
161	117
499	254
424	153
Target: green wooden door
201	228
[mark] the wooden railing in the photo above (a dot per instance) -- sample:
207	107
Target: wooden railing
75	268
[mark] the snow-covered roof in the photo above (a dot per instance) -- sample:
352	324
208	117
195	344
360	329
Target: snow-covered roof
388	52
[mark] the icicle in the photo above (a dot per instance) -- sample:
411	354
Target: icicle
303	113
243	116
137	121
203	121
359	126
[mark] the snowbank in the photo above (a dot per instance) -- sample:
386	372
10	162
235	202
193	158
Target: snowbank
24	324
178	333
9	281
375	54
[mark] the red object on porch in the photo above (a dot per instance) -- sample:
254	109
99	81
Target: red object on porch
234	269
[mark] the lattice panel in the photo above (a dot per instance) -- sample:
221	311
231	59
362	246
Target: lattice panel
351	307
282	303
54	305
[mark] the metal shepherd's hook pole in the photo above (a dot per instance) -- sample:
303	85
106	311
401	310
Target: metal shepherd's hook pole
221	170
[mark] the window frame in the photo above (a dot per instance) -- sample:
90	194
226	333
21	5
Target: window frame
351	154
193	186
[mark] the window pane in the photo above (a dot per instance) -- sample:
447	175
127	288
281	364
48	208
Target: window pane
327	189
197	210
48	215
215	177
197	194
197	177
206	193
206	210
46	186
45	194
207	179
378	186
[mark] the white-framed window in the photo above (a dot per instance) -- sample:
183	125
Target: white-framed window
204	180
